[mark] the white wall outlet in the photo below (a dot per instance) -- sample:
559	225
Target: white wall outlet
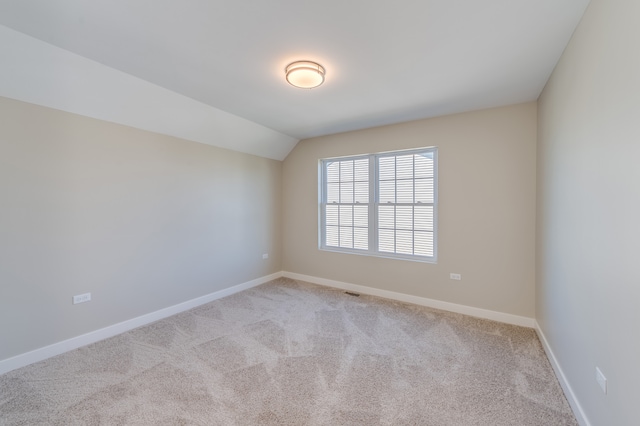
265	256
602	381
81	298
455	276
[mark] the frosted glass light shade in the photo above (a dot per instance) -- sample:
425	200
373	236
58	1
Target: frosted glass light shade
305	74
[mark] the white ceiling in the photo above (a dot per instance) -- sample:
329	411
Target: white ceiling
213	70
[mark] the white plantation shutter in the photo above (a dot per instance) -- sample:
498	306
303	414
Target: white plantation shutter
405	206
346	207
380	204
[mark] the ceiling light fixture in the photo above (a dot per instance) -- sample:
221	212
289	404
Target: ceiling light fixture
305	74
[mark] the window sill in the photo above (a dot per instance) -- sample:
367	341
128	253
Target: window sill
431	260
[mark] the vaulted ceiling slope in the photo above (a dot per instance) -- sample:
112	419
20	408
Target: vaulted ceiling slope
213	71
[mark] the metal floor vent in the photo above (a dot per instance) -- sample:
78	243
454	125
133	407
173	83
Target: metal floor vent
352	294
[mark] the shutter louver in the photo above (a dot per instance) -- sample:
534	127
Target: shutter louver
346	209
406	194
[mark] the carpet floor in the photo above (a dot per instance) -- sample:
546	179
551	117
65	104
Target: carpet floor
293	353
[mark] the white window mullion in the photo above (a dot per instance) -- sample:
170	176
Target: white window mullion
322	235
395	204
353	209
413	207
373	203
339	206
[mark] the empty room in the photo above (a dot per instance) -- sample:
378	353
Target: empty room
320	213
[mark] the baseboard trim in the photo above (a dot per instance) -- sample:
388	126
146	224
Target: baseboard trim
417	300
566	386
58	348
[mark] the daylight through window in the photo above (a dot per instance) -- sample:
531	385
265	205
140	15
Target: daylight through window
380	204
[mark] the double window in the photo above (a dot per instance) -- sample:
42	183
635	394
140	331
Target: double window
380	204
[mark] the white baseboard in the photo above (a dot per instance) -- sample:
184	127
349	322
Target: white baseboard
58	348
416	300
112	330
566	387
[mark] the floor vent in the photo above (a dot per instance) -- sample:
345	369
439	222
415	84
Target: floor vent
352	294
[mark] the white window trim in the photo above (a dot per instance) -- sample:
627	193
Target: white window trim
373	204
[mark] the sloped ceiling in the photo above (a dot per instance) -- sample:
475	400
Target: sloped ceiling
212	71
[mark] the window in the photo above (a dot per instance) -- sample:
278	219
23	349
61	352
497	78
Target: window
380	204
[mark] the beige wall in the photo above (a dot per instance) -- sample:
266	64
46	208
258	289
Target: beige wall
487	164
140	220
588	286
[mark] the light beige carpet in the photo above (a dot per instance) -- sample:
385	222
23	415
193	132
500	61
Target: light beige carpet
292	353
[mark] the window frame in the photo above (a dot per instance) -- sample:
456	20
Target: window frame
373	204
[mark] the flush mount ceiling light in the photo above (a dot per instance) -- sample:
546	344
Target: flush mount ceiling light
305	74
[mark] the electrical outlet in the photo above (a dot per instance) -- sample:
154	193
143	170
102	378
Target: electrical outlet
602	381
265	256
81	298
457	277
